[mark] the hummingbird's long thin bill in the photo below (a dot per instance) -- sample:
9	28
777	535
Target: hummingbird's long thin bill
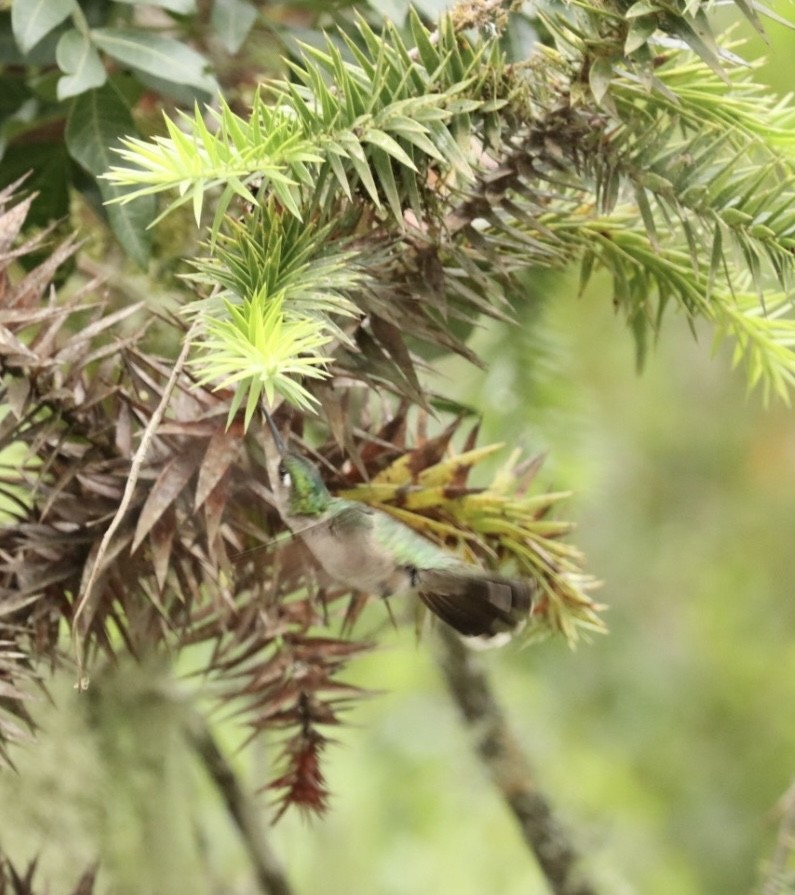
281	447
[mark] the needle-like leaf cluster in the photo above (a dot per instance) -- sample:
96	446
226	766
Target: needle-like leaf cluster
372	207
630	140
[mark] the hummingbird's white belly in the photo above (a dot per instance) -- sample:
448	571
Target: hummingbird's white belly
357	563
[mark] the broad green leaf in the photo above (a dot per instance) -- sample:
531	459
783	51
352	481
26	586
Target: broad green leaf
33	19
130	222
48	166
182	94
231	21
78	58
161	57
642	8
10	53
181	7
599	78
640	30
97	121
18	109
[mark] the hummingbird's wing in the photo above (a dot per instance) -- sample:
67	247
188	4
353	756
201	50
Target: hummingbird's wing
379	554
349	516
473	602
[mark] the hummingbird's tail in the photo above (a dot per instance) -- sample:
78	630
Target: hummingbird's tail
476	603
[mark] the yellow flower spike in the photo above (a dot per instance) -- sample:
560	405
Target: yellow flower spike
413	498
373	492
551	528
427	498
442	530
500	522
397	473
504	481
444	473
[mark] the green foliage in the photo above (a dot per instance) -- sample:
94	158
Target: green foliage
61	68
261	352
281	290
672	171
339	123
79	43
477	170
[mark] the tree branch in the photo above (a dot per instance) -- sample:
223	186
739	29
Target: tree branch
776	870
501	753
268	869
136	465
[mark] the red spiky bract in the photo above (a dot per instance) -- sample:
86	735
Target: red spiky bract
303	784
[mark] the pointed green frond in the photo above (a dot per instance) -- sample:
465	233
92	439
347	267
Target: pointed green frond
667	165
764	339
335	117
256	347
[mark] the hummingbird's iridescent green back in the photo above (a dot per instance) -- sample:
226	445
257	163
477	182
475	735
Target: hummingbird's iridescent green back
308	495
408	547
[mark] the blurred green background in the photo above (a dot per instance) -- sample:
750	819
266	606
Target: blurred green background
666	744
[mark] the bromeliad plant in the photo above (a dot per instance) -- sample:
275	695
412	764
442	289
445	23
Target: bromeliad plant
499	524
368	211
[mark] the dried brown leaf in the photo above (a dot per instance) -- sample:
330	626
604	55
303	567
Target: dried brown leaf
85	885
11	221
214	506
16	395
100	597
15	352
78	342
169	485
161	541
30	289
391	338
222	450
123	434
356	605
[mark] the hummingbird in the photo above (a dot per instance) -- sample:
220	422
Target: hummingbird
368	550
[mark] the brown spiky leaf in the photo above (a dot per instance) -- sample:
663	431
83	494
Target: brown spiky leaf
173	478
16	882
222	450
201	555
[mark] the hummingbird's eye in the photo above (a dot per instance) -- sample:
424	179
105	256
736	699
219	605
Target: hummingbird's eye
284	476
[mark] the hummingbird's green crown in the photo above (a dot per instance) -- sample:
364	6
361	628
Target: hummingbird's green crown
308	493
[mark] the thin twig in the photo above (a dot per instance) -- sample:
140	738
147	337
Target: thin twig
135	472
776	868
270	875
499	750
